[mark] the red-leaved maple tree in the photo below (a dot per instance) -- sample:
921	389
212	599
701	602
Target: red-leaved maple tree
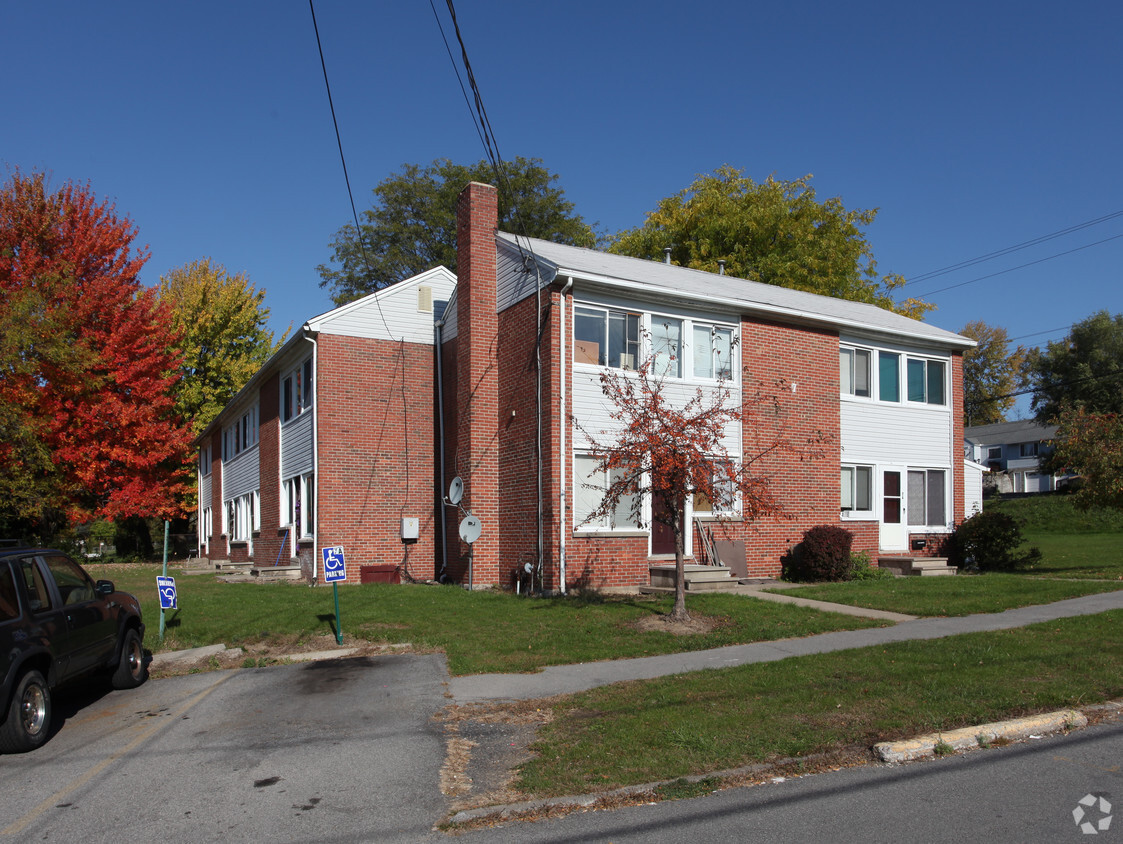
88	362
670	450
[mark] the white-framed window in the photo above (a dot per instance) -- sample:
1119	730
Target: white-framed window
927	498
590	483
297	390
926	381
712	351
298	504
854	374
888	376
240	435
606	337
666	347
242	516
857	490
725	494
206	523
205	460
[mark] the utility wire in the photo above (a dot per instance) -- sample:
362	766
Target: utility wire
1015	248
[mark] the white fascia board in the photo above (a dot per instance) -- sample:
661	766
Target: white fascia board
742	307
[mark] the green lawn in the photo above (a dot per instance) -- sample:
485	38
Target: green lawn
479	631
713	720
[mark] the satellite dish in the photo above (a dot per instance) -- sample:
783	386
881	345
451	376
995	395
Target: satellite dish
470	529
455	491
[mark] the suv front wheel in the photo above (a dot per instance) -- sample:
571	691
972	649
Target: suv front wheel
131	670
29	715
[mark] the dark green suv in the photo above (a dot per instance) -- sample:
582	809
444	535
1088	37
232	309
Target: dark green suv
58	625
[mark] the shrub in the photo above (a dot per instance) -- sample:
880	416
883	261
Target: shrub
824	554
862	569
989	541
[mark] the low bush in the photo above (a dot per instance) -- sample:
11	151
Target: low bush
991	541
824	555
862	569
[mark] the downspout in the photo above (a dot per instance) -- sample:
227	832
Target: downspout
315	452
437	326
563	454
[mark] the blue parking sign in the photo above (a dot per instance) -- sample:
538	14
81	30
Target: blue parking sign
335	569
166	587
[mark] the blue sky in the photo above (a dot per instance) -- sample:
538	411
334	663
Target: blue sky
972	126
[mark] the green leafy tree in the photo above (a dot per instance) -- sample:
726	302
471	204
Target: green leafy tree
775	232
412	225
221	320
1083	370
991	372
1091	445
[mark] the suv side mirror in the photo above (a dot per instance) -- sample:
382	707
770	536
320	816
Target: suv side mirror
105	587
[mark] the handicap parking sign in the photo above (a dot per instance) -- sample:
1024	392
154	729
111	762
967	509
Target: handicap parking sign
335	569
166	587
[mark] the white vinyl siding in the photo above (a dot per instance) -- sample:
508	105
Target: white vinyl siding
395	312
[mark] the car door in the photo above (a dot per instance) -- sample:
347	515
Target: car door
48	624
90	626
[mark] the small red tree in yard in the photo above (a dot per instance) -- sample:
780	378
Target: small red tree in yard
670	452
88	364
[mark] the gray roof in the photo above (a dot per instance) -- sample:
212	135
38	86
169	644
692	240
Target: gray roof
1018	431
749	297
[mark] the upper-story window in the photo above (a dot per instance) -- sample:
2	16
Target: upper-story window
205	460
712	351
926	381
606	337
888	376
1028	449
854	371
239	436
296	391
666	347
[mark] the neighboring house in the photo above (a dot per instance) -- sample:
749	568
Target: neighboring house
1012	452
529	327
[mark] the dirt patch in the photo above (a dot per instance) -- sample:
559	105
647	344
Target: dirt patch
276	651
691	626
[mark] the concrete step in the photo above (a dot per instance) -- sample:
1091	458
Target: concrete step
917	566
230	567
271	573
696	575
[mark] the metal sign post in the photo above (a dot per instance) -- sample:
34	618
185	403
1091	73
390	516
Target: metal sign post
335	570
167	527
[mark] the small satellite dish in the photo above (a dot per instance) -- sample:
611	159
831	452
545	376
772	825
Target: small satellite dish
529	568
470	529
455	491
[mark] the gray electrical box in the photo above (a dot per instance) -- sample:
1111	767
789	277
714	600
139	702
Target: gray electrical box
411	528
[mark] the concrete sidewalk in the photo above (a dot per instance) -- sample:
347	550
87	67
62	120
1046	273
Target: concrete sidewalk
564	679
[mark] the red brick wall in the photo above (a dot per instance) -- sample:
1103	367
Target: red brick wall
479	427
375	401
268	540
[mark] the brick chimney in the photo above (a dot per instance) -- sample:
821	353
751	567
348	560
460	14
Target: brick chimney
477	377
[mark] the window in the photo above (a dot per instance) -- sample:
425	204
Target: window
854	371
666	347
1028	449
591	482
296	391
712	351
207	524
726	495
74	585
926	498
241	435
243	516
205	460
606	338
857	489
888	376
926	381
298	499
994	452
38	595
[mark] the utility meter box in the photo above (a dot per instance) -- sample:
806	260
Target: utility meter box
411	528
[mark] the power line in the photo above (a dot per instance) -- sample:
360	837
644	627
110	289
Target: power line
1021	266
1015	248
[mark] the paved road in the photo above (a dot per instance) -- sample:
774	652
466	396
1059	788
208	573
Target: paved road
343	750
1013	795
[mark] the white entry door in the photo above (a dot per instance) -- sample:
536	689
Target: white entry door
894	525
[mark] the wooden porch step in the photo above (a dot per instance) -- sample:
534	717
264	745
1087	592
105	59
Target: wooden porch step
917	566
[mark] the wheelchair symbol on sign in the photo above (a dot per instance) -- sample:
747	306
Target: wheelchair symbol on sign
166	587
335	567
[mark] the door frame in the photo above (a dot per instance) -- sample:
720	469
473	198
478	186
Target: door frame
893	536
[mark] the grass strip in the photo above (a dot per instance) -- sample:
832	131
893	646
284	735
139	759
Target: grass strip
480	632
697	723
952	596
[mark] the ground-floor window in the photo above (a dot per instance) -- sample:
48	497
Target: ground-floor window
857	490
590	484
242	516
927	498
298	504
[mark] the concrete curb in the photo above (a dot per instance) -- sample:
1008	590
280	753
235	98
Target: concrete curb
968	738
174	658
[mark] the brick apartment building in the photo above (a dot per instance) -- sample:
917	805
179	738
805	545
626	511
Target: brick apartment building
350	435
